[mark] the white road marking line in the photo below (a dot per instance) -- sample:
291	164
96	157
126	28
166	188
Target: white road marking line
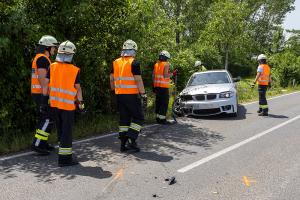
75	142
276	97
235	146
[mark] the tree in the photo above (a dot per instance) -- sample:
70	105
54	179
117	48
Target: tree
226	29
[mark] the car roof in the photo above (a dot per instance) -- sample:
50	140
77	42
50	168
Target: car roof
209	71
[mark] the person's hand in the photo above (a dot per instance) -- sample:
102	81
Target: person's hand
269	85
175	72
81	105
144	100
44	105
44	108
252	85
153	89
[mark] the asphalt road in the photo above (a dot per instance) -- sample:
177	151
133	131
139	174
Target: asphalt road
247	157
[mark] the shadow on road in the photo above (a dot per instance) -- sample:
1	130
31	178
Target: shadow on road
159	144
278	116
242	112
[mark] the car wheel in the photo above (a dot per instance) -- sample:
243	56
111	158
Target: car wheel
176	108
235	114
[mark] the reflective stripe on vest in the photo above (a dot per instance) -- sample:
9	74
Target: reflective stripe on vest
62	85
123	78
264	77
36	87
63	91
62	100
159	79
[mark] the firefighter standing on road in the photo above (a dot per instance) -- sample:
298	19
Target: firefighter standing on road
161	84
40	65
64	89
263	78
127	83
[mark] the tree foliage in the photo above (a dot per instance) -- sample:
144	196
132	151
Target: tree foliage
220	33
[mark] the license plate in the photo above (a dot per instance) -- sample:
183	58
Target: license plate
204	106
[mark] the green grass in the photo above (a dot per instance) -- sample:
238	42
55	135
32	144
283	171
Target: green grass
96	124
248	94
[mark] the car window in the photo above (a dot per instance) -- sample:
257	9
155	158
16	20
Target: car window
209	78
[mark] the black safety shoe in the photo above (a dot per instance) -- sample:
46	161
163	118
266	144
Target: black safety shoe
166	122
50	147
132	145
263	114
67	162
123	148
259	111
123	140
158	120
40	150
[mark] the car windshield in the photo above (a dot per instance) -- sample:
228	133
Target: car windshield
209	78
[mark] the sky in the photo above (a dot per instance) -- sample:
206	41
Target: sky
292	20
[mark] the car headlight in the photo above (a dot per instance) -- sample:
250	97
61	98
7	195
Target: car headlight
226	94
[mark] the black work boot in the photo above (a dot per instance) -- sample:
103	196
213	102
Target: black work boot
67	160
49	147
165	122
123	144
158	120
263	114
41	148
259	110
132	145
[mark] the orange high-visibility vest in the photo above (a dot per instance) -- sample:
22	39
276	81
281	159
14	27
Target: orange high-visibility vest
123	78
36	87
62	85
264	77
159	80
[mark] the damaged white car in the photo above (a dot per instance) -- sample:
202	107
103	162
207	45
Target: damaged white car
208	93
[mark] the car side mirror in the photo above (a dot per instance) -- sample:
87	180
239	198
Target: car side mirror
237	79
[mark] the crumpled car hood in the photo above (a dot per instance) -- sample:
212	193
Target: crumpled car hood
210	88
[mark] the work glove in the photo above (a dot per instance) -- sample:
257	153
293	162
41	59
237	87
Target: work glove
144	100
81	107
44	106
175	72
269	86
252	85
153	89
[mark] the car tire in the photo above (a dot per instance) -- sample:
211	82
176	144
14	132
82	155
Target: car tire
235	114
176	108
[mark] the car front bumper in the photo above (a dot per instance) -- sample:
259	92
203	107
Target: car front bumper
207	108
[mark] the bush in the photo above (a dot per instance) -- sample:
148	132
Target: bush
286	68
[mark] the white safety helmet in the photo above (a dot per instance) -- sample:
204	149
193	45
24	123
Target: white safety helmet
165	53
48	41
66	47
262	57
130	45
198	63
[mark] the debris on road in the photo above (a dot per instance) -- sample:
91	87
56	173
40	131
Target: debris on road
171	180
